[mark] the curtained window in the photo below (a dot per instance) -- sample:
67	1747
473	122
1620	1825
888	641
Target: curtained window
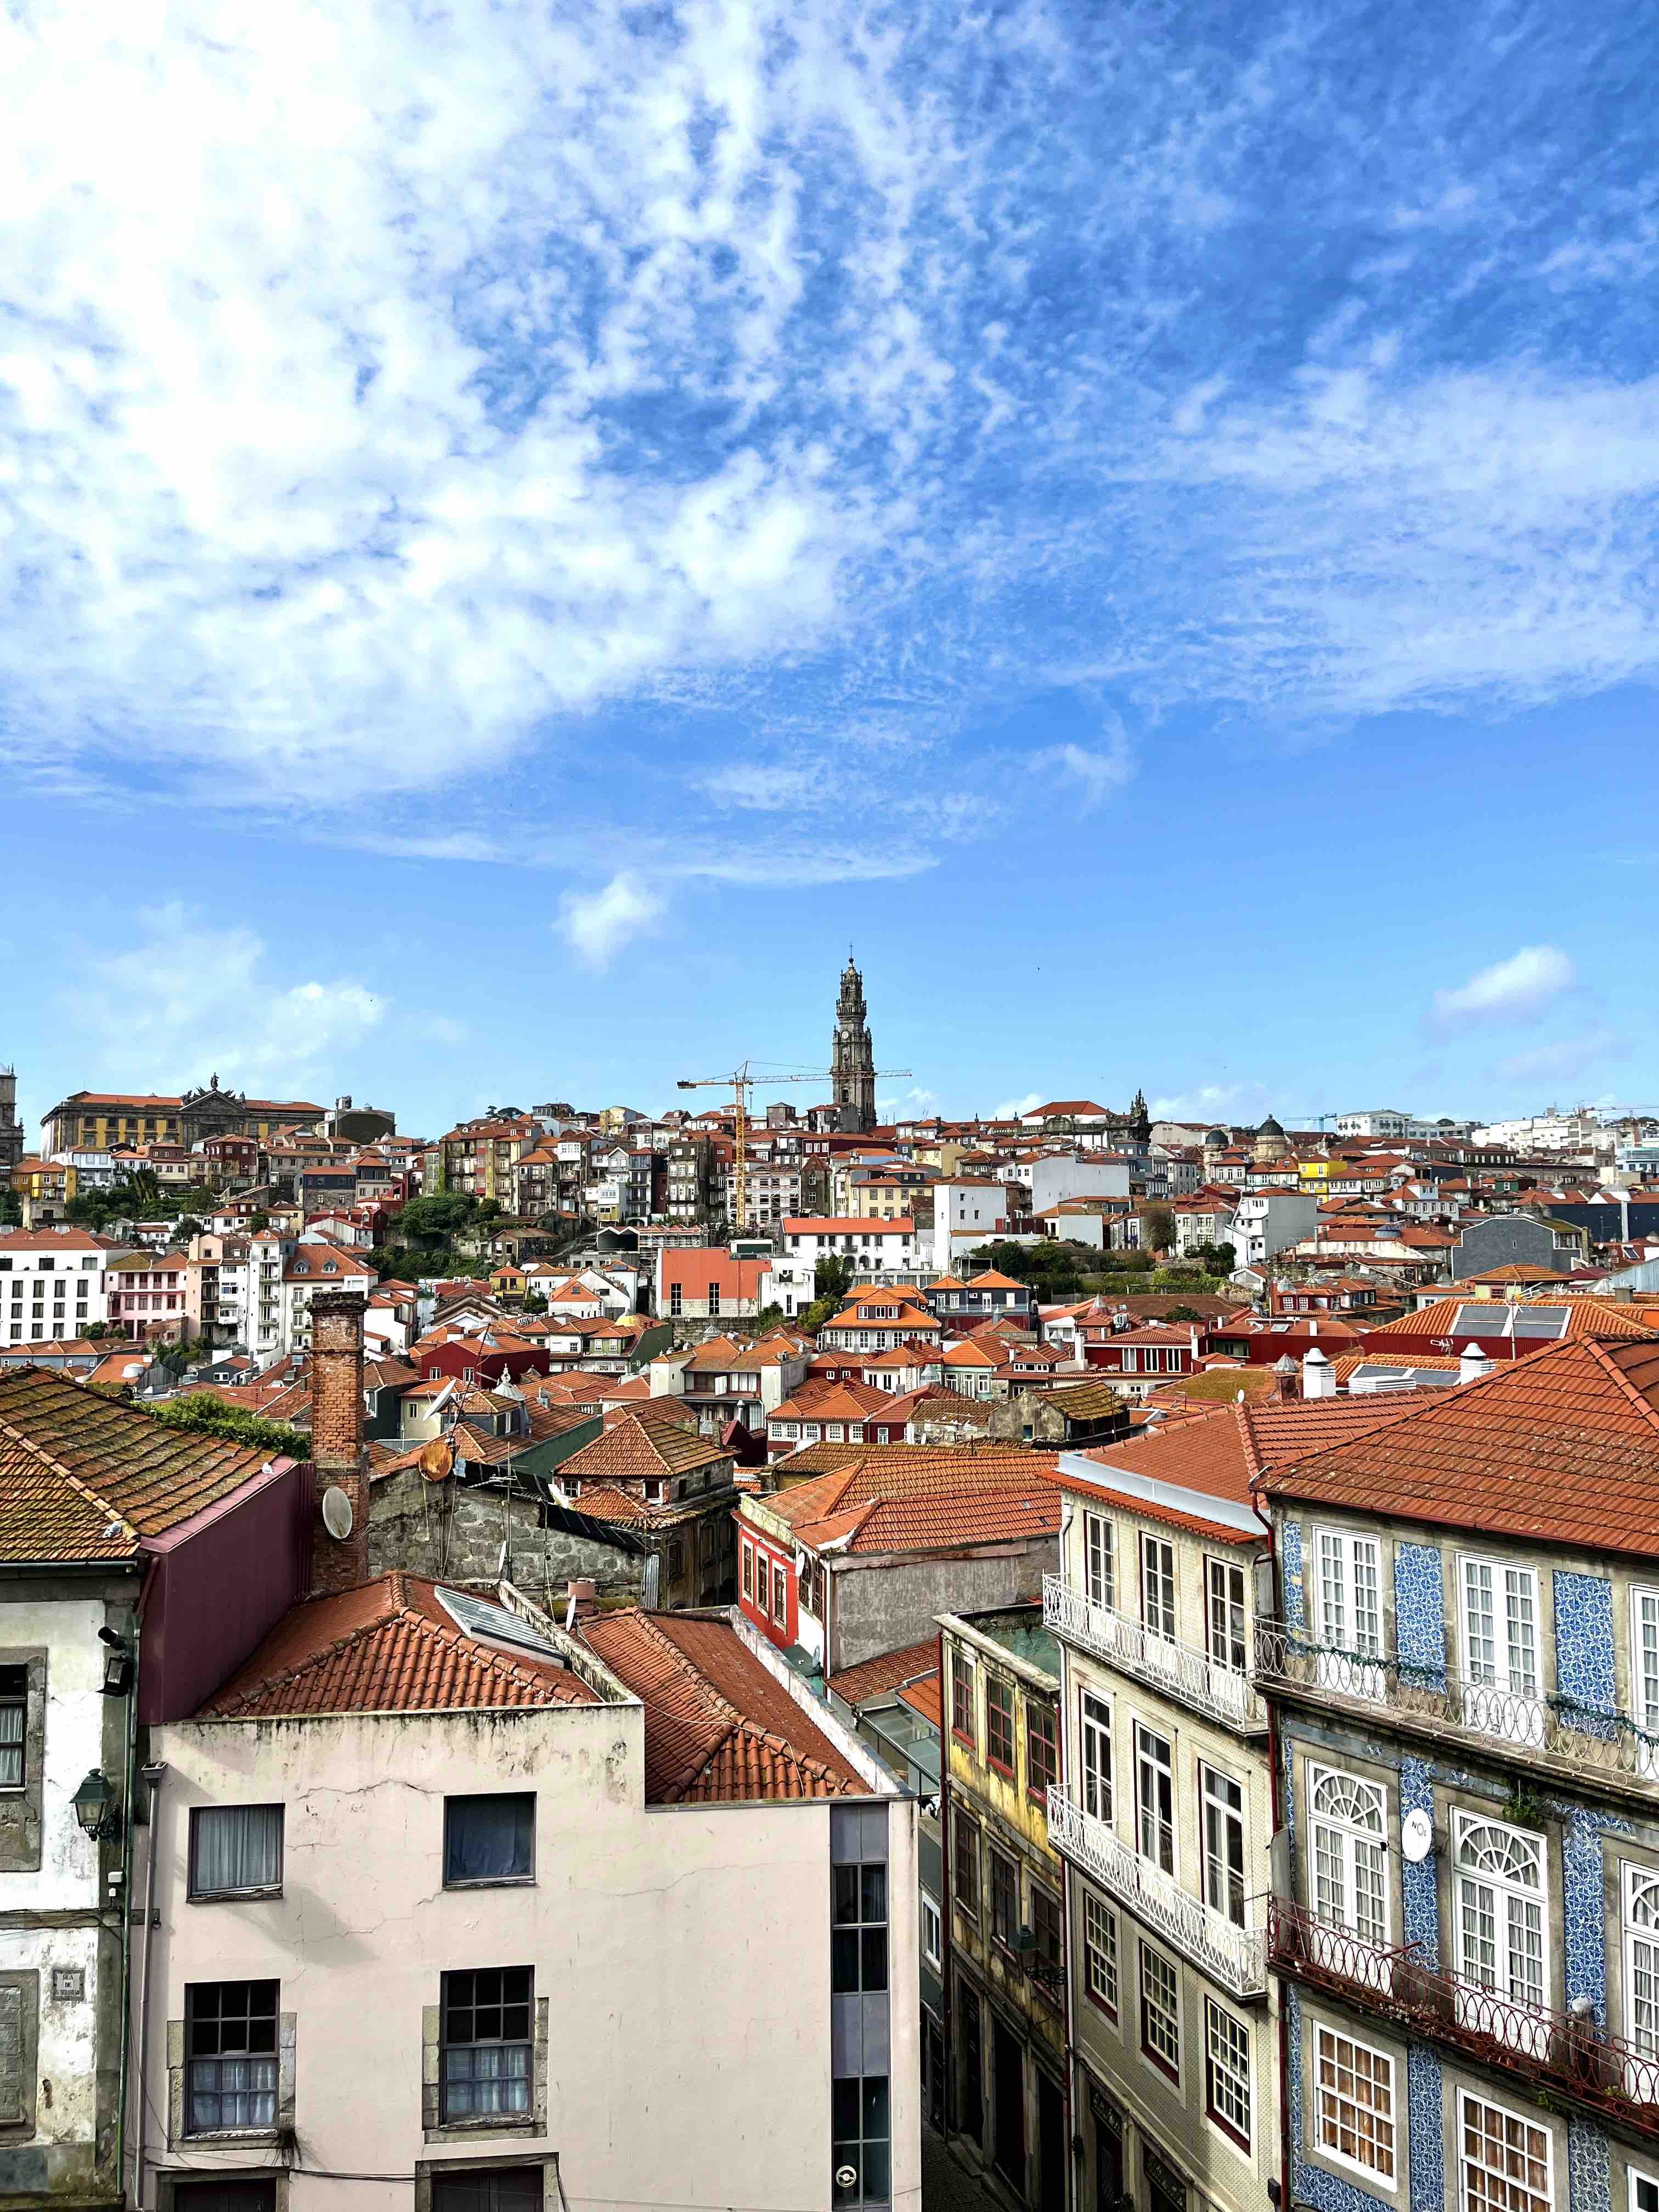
235	1848
489	1838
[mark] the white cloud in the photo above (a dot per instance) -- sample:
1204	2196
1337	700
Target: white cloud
907	1103
1233	1102
764	790
1099	770
188	998
600	923
1565	1059
1009	1109
1509	989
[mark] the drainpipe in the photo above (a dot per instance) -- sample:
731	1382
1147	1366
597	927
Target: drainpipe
127	1825
153	1775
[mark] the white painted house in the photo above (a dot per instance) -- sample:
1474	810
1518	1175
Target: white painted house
51	1283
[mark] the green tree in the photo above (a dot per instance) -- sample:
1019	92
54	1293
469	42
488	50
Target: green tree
260	1220
1158	1229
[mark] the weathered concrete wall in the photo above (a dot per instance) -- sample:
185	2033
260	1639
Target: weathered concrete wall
445	1531
894	1602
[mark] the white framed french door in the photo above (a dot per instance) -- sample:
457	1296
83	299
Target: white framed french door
1501	1912
1347	1822
1497	1613
1348	1613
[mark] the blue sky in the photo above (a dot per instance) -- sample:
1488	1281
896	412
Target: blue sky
525	530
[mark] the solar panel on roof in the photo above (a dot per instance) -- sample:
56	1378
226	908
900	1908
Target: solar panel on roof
1475	1320
1541	1321
493	1623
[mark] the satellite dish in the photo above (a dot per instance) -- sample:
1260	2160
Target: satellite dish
1417	1835
436	1459
337	1513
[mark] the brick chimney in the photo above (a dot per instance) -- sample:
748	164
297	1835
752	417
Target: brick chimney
336	1438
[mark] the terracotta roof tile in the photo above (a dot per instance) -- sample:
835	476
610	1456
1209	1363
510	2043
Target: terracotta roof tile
1561	1448
387	1646
905	1497
718	1726
632	1449
871	1678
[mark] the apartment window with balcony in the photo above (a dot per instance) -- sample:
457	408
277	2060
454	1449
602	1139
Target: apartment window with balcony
230	2042
1224	1844
488	2039
1640	1891
1041	1749
1500	1911
1348	1582
1353	2103
1157	1588
1100	1952
1504	2160
962	1699
1227	2073
1004	1899
1226	1614
1644	1665
1160	2011
964	1870
999	1723
1155	1798
1500	1641
1099	1575
1348	1820
1095	1747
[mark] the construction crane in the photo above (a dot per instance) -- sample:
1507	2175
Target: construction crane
740	1082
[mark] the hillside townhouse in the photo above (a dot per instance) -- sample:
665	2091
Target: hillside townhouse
705	1283
968	1211
1466	1690
879	1250
988	1296
312	1267
1163	1808
1266	1222
649	1503
858	1561
726	1379
878	1320
1140	1360
53	1283
1005	1963
148	1296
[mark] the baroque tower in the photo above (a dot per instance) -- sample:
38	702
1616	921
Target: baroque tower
12	1132
851	1057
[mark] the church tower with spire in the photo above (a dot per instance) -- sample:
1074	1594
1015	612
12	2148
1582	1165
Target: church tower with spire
852	1056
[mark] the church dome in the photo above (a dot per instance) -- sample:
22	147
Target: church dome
1270	1127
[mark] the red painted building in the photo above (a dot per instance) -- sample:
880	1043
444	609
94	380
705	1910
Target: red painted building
766	1583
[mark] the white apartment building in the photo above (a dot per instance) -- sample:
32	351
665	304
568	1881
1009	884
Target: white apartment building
968	1210
252	1306
481	1937
878	1251
1162	1816
1270	1221
51	1283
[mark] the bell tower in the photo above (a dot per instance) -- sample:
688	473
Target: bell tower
852	1056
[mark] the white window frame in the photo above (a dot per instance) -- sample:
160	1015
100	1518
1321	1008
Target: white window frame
1347	1612
1221	1579
1501	1688
1097	1911
1215	1790
1095	1773
1100	1561
1351	1846
1526	2027
932	1931
1545	2196
1332	2150
1159	2060
1638	1921
1227	2070
1644	1671
1159	1595
1154	1768
1639	2182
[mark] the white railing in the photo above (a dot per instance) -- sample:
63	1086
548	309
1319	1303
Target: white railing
1225	1692
1233	1956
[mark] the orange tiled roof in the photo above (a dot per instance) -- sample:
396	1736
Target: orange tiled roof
78	1471
387	1646
633	1448
1587	1316
871	1677
914	1497
720	1729
1561	1448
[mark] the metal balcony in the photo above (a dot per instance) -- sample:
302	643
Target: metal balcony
1547	2049
1547	1731
1180	1670
1231	1956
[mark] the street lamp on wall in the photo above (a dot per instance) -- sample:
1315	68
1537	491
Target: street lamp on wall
95	1807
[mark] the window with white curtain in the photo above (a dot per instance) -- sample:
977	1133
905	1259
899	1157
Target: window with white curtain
235	1848
14	1715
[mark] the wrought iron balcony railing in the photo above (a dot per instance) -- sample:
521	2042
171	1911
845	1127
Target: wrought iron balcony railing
1549	1728
1565	2050
1229	1955
1181	1670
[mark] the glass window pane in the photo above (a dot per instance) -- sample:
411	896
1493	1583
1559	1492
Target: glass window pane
489	1838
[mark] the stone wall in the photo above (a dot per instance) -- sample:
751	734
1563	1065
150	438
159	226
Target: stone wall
442	1530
